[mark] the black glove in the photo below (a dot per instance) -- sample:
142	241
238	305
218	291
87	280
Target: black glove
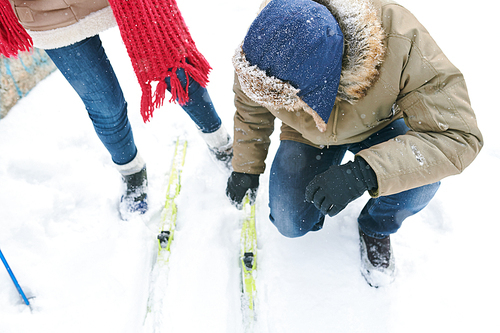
332	190
239	184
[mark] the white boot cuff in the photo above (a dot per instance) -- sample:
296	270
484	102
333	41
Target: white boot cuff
134	166
218	139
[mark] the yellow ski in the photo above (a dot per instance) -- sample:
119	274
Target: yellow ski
154	320
169	213
248	263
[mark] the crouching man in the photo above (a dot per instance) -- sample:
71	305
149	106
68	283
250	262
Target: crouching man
348	75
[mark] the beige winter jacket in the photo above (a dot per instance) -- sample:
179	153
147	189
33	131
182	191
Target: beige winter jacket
57	23
392	68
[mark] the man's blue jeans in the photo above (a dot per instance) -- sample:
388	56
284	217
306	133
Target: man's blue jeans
88	70
296	164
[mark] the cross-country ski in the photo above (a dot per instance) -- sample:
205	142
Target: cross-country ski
154	321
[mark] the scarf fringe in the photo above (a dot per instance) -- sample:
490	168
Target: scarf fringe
146	104
178	93
159	95
13	37
158	43
151	101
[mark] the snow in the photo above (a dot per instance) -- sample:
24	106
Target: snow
62	236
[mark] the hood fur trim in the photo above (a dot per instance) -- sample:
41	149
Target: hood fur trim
364	51
269	91
364	48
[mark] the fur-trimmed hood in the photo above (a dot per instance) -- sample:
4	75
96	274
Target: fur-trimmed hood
364	51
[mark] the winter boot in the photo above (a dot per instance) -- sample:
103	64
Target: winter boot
134	201
220	145
377	260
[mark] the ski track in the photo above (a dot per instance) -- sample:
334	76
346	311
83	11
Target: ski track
62	236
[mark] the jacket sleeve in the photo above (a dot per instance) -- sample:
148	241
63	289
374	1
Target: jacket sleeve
444	137
253	126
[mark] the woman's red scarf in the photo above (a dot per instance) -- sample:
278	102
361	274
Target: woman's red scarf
13	37
158	43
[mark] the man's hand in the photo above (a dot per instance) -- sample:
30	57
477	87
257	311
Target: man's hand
332	190
239	184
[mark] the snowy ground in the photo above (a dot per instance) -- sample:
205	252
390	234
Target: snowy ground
63	238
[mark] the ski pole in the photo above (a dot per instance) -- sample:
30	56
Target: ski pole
25	299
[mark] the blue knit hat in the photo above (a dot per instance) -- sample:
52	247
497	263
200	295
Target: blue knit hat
298	43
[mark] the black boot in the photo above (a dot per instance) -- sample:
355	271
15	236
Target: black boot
135	198
377	260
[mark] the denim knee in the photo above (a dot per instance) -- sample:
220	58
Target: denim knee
296	222
289	229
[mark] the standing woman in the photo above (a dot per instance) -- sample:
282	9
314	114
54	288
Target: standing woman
161	50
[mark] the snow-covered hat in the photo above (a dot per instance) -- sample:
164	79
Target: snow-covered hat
291	57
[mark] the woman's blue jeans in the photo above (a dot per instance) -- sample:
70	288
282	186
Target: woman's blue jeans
296	164
88	70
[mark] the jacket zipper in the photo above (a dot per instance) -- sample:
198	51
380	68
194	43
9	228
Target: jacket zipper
333	137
